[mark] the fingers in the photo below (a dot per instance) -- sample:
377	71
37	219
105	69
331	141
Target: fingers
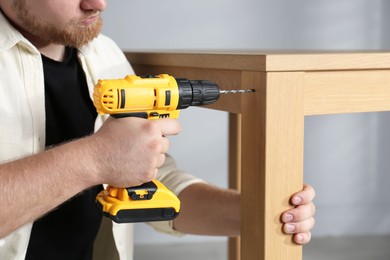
300	230
299	220
304	196
304	209
169	126
164	145
299	227
302	238
299	213
161	161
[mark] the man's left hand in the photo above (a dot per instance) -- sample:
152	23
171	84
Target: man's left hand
300	219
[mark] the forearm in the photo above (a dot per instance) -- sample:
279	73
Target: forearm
33	186
209	210
124	152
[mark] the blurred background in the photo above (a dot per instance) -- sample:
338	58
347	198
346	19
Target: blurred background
346	156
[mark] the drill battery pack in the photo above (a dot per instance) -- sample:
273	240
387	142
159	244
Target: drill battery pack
151	201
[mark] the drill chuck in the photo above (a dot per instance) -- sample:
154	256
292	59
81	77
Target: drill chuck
196	92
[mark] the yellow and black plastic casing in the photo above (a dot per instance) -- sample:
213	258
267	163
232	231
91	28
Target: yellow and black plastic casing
151	98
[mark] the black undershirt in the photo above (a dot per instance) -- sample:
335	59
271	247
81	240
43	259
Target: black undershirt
67	232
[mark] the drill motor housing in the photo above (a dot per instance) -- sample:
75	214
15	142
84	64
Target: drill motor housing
152	97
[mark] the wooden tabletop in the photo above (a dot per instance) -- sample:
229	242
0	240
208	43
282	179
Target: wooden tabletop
267	61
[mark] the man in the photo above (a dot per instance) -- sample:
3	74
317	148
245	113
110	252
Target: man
52	162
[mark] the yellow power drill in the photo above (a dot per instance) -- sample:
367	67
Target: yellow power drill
149	97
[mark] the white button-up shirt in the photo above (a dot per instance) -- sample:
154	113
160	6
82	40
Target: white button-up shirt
22	128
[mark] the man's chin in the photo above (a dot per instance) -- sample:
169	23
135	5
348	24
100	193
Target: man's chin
81	36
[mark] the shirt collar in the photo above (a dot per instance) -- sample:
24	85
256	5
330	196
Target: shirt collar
9	36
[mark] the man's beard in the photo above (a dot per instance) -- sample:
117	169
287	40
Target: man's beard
72	35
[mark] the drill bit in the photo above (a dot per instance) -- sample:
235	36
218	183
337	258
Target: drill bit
236	91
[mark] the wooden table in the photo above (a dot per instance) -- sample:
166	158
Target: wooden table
267	127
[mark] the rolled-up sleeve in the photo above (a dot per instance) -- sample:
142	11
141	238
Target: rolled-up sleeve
175	180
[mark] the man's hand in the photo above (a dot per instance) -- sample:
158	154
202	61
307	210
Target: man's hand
300	220
130	150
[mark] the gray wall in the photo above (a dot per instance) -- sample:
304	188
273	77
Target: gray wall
346	156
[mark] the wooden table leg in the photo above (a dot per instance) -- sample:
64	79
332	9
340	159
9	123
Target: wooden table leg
272	162
234	173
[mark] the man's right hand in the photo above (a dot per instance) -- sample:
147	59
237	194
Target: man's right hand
124	152
129	150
